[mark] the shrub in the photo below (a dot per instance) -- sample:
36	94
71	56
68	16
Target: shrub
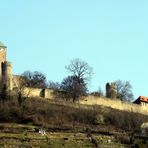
55	114
127	121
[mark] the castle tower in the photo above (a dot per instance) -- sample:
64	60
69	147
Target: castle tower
107	90
7	74
5	68
2	57
111	90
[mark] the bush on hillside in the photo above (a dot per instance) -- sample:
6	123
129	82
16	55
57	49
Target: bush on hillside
55	114
127	121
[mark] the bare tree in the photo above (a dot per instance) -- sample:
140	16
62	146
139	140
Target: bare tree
54	85
35	79
21	91
124	90
76	83
80	69
72	88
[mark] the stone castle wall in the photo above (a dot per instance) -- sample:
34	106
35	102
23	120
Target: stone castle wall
38	92
114	103
13	81
32	92
49	93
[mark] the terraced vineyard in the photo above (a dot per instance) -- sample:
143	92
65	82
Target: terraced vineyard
24	136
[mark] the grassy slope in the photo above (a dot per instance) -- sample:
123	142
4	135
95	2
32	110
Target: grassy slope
67	124
26	138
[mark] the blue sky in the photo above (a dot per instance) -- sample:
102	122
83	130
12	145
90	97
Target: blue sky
111	35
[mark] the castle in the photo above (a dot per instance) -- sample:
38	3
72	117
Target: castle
12	81
5	68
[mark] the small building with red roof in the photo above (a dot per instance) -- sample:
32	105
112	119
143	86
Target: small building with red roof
143	101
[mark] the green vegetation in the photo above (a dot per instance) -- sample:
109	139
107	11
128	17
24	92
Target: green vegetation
51	139
67	125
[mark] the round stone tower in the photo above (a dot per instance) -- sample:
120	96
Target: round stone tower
7	74
111	90
5	68
2	57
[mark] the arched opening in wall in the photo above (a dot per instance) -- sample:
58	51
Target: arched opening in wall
42	93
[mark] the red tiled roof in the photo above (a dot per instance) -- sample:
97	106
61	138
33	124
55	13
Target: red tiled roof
144	99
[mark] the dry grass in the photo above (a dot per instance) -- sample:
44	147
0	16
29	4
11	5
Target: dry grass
66	115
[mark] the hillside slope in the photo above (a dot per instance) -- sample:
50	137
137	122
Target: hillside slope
68	125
